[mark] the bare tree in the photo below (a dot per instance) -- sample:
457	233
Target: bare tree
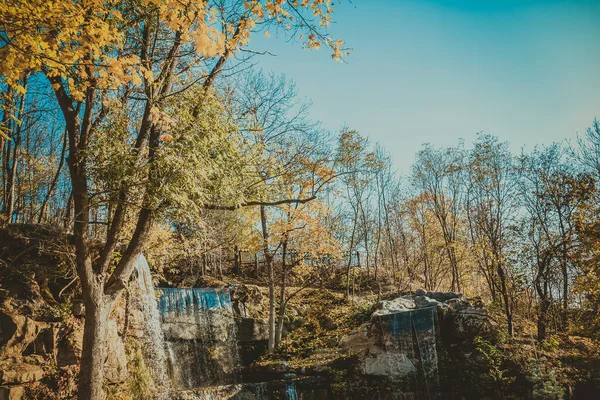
491	209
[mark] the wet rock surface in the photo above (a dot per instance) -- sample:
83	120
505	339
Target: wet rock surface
406	333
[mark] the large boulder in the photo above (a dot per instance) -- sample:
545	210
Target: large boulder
17	332
247	301
420	299
252	330
18	373
380	362
399	304
469	319
69	349
426	301
442	297
391	344
12	392
197	325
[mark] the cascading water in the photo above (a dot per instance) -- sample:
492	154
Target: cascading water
259	391
400	344
409	338
290	391
190	300
153	338
201	337
425	332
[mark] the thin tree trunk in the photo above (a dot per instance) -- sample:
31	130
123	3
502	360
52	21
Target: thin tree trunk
11	173
54	180
350	258
270	278
282	300
68	219
236	261
565	299
271	343
256	266
6	146
359	275
506	300
366	239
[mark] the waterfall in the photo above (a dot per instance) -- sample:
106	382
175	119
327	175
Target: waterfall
259	391
290	391
410	342
201	337
190	300
402	344
154	341
425	332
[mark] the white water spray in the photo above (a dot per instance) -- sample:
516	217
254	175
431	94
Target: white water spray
154	340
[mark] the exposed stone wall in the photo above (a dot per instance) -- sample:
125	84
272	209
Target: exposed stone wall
391	342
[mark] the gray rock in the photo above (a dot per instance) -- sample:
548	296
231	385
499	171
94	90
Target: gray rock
192	326
469	322
424	301
384	346
384	363
252	330
280	367
443	296
399	304
458	304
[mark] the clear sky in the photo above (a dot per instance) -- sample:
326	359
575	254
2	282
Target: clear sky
438	70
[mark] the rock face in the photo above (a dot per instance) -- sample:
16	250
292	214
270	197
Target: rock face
208	335
11	392
200	336
396	305
402	338
21	336
246	301
20	373
17	332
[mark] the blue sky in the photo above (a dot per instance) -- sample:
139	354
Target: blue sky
439	70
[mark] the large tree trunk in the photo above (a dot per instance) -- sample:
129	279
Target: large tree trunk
91	375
